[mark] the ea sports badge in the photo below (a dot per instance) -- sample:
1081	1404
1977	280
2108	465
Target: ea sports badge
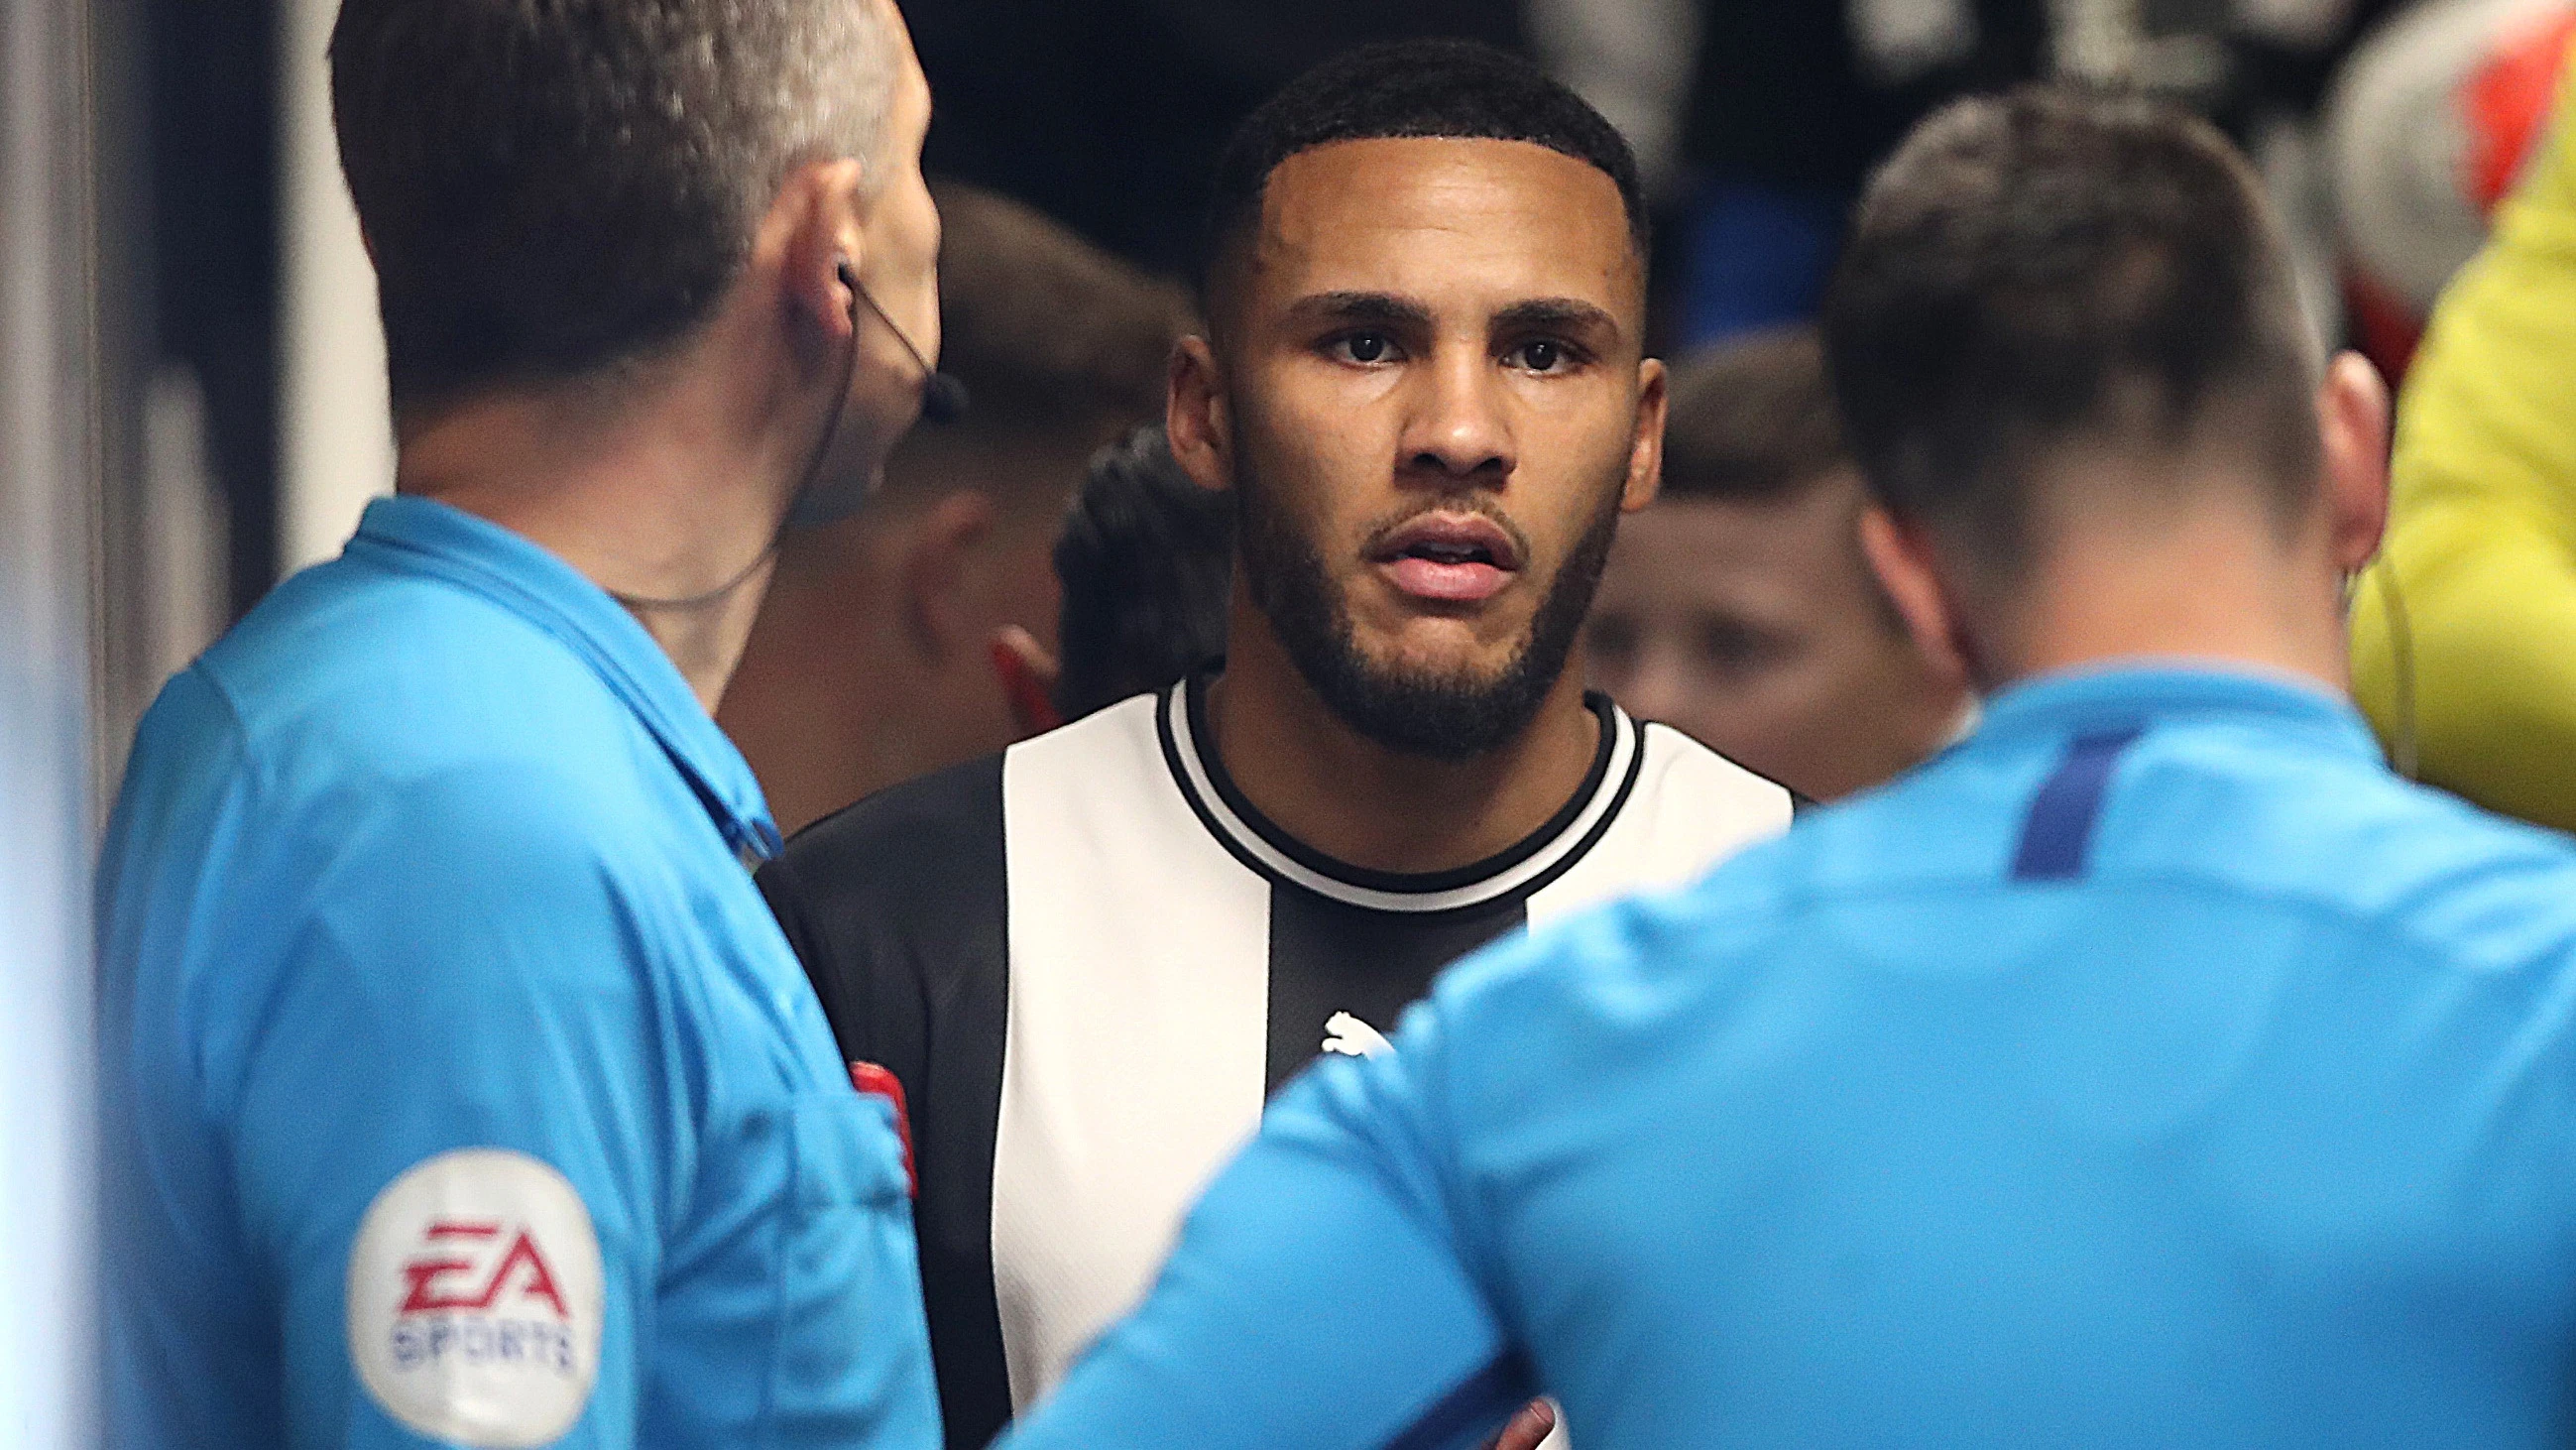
475	1300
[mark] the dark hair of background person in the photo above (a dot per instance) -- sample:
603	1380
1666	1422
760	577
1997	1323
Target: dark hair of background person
1414	88
1109	114
552	187
1147	564
2056	269
1052	337
1752	421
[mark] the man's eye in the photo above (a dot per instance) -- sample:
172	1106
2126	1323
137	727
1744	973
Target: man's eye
1541	356
1362	347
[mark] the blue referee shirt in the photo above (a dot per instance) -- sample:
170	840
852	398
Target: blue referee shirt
2152	1069
460	1089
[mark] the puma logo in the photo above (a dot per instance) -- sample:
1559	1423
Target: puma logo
1349	1036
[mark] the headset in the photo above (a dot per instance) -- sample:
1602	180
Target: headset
943	400
943	397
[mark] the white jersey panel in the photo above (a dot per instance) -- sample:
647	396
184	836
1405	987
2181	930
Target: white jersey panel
1136	1037
1691	809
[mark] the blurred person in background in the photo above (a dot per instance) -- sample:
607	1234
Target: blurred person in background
1739	608
2155	1069
875	657
1794	100
1791	103
459	1088
1091	958
1146	565
2464	633
2429	125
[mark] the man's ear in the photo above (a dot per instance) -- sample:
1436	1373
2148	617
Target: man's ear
815	228
1028	672
939	618
1194	415
1646	452
1900	553
2353	416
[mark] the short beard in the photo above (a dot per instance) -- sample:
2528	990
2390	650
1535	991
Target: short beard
1451	717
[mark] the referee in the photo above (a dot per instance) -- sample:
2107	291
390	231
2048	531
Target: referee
1088	960
461	1090
2154	1068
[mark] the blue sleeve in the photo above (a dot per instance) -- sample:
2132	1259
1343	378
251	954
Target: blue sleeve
456	1115
1320	1295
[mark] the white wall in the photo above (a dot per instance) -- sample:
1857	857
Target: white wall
336	444
49	421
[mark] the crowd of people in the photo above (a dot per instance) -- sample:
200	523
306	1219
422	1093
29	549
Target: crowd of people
908	831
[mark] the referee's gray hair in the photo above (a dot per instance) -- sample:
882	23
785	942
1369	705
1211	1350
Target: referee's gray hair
552	188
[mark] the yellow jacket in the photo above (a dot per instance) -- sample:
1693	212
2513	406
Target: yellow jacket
2464	634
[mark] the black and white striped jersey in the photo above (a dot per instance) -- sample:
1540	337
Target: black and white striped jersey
1089	960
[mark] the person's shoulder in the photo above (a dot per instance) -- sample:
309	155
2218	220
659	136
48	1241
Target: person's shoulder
316	765
1679	768
1691	807
2427	868
1549	1019
360	671
902	847
2272	821
1110	742
895	900
957	812
923	813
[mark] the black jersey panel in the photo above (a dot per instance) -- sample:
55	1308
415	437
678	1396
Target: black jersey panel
899	909
1329	957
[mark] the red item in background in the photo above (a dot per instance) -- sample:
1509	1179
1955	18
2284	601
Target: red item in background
2506	100
2383	326
875	1081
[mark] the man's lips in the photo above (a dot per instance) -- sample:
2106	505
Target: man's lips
1450	558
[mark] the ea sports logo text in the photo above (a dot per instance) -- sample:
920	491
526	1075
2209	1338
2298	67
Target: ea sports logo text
464	1299
426	1276
476	1298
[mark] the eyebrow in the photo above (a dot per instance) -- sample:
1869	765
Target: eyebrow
1382	308
1568	314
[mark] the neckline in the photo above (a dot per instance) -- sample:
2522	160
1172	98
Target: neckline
1516	871
426	536
2124	693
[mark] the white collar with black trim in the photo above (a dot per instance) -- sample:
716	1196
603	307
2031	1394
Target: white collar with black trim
1543	855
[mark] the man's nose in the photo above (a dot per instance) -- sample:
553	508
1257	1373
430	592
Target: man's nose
1459	429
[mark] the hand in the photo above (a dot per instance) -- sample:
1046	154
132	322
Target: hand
1527	1428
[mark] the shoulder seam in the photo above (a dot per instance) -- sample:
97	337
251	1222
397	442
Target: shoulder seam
252	769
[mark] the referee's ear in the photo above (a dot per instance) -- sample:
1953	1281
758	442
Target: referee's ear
814	227
2353	418
1195	418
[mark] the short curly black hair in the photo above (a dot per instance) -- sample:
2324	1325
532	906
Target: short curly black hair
1147	564
1429	88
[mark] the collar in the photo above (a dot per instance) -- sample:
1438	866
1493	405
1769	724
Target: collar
423	536
2122	696
1537	859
